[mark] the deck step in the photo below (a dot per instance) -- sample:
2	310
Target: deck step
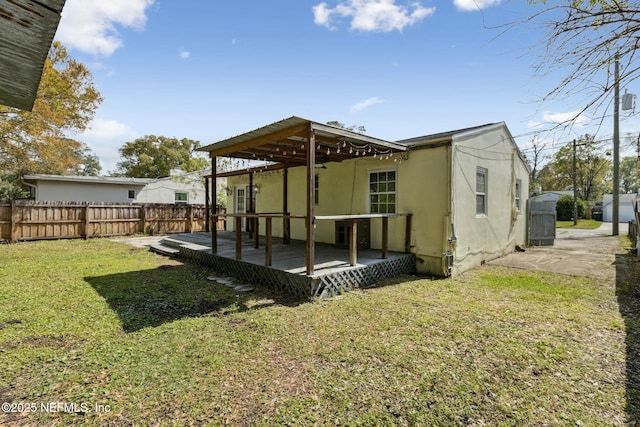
162	249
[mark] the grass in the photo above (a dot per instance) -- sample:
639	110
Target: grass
588	224
156	343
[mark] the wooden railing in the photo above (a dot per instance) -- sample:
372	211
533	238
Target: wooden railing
268	233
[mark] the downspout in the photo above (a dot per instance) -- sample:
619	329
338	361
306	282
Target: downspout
449	229
35	189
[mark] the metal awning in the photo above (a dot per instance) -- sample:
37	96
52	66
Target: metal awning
27	28
285	142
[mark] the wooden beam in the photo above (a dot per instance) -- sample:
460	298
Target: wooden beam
250	207
214	228
207	202
286	221
353	242
259	140
310	221
385	237
267	242
256	228
238	237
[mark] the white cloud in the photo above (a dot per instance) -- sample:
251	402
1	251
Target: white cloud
184	54
105	137
372	15
365	104
470	5
569	117
90	25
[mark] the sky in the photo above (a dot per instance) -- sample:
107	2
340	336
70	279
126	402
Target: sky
210	70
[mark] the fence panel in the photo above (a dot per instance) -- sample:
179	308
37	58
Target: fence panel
31	220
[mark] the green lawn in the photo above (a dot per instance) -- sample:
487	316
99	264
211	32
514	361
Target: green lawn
155	343
582	223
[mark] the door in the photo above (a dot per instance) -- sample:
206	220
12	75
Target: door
240	203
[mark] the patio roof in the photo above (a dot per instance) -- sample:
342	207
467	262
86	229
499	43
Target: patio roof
285	142
27	28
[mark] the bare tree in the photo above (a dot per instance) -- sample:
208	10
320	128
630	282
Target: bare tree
584	38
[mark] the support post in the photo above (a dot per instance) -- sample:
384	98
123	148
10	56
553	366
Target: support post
214	226
207	203
86	221
15	218
238	237
189	225
353	242
267	242
256	234
310	220
249	220
385	237
286	221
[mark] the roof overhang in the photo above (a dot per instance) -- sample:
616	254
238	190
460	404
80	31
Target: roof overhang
27	28
285	143
89	179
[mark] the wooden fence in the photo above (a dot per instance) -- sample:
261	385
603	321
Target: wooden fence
30	220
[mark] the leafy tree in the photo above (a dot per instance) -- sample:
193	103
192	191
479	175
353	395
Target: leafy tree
352	128
154	156
564	208
592	169
629	179
36	141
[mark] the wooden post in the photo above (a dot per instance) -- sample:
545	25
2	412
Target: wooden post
385	237
86	221
310	220
214	226
407	234
353	242
250	207
286	221
15	218
267	242
189	226
238	237
143	218
256	234
207	202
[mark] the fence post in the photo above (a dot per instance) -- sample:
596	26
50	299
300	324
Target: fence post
189	228
14	222
86	222
143	218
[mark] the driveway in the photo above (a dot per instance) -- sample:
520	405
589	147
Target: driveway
580	252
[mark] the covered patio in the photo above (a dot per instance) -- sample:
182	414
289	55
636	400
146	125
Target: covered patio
296	142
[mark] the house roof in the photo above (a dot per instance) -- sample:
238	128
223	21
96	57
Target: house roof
284	142
90	179
27	28
444	136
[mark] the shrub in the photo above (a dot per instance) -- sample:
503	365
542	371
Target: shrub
564	208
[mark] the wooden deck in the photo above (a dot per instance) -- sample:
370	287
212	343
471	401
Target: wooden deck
333	272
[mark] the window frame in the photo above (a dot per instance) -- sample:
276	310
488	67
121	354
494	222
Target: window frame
180	202
386	193
484	194
129	194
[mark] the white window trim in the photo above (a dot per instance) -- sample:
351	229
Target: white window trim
485	193
368	192
518	197
181	202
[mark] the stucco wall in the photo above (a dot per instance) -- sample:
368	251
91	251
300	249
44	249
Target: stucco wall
84	192
481	238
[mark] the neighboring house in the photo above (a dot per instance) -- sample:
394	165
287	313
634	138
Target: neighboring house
626	212
187	188
466	191
551	196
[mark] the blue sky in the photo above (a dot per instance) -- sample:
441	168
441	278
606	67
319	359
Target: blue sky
209	70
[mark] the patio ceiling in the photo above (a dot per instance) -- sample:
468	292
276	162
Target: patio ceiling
27	28
285	143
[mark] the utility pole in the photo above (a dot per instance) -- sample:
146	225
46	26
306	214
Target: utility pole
616	147
575	185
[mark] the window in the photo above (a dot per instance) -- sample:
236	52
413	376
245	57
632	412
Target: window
481	191
240	200
132	194
316	192
181	197
382	192
517	194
